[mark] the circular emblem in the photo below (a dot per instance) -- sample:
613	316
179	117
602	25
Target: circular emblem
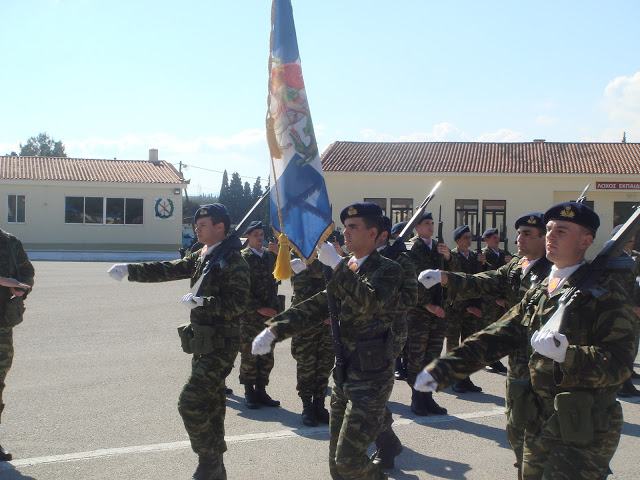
164	208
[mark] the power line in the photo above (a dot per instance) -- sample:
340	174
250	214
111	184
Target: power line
218	171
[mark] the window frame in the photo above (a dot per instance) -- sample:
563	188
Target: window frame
105	216
16	211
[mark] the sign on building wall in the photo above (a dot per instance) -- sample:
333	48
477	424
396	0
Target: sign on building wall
164	208
617	186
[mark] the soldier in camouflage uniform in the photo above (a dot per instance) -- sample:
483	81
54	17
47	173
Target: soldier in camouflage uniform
426	319
312	350
388	445
366	293
628	282
570	406
493	309
220	282
263	304
463	318
511	282
16	278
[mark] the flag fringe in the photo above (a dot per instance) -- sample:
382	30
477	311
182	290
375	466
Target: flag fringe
282	270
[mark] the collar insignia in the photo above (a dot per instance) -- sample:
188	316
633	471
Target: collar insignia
553	284
567	212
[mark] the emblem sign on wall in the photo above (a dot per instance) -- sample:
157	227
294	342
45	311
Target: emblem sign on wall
164	208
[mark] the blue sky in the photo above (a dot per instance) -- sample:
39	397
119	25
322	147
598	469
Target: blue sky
115	78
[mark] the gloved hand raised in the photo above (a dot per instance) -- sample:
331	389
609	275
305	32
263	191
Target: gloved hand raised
298	265
119	271
327	255
425	382
544	342
429	278
191	302
261	345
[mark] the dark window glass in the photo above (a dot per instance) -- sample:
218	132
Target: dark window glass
115	211
133	214
73	209
93	210
16	208
401	209
467	213
493	216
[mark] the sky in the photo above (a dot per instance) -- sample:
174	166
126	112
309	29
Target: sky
112	79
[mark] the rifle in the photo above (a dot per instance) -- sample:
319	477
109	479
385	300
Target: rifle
480	266
612	249
232	242
583	196
340	369
440	289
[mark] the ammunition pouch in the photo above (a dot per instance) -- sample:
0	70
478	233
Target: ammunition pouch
522	406
204	339
373	355
280	304
185	332
579	415
13	313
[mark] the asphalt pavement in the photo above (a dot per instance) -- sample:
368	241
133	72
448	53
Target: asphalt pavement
93	393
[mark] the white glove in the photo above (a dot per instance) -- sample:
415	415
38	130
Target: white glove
544	343
425	382
429	278
638	279
327	255
119	271
262	343
298	265
192	302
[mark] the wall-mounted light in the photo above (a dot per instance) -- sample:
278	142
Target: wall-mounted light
176	191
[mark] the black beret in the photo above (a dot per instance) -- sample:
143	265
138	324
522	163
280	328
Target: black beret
490	231
426	216
397	228
386	224
458	232
364	209
574	212
616	229
252	226
531	219
216	211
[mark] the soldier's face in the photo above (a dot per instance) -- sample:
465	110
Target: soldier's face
359	239
464	242
255	239
566	243
208	233
493	241
425	228
530	242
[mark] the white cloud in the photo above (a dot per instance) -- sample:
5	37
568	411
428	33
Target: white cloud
441	132
546	120
622	104
502	135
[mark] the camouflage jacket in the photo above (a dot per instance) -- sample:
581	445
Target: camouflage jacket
427	258
408	291
366	301
308	282
225	288
264	286
10	244
628	280
598	328
459	263
494	261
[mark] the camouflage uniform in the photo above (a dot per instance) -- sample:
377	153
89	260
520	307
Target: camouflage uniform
426	331
312	350
255	369
367	301
627	281
491	311
508	282
9	245
599	329
461	323
216	330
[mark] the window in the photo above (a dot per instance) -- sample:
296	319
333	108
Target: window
382	202
100	210
493	216
401	209
467	213
16	208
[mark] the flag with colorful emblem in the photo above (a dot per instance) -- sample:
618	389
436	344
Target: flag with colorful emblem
299	203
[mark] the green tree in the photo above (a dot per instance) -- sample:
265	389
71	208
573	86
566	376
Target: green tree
42	146
224	189
235	199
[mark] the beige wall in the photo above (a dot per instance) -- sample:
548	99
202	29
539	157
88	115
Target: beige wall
522	194
44	225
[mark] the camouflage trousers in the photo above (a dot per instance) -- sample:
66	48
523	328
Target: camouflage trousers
546	456
313	353
491	312
424	342
460	325
202	403
6	359
254	369
515	436
356	409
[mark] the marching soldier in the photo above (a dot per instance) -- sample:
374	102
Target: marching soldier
511	282
365	290
16	279
425	320
401	359
220	277
263	304
570	403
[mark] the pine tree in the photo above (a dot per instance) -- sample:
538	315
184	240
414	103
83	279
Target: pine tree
224	189
235	201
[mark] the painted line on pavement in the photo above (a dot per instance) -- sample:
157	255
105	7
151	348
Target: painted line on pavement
249	437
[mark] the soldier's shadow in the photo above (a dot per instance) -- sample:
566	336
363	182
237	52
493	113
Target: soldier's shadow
498	435
425	465
631	429
9	472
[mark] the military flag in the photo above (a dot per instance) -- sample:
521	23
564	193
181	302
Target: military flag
299	203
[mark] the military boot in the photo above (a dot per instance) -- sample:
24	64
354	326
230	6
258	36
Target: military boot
210	467
250	397
263	397
431	405
388	447
309	412
417	403
401	369
5	456
470	386
322	414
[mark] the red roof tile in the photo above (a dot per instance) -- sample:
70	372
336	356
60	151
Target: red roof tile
477	157
88	170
